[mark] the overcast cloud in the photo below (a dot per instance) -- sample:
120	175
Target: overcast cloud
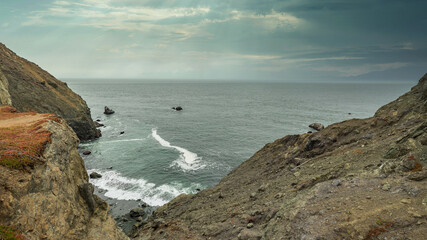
279	40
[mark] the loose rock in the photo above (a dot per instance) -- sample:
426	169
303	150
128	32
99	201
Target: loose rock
95	175
317	126
137	212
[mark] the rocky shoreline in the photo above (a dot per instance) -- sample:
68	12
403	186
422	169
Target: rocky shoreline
121	211
357	179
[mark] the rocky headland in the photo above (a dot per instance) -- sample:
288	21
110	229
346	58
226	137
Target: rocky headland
28	88
357	179
44	189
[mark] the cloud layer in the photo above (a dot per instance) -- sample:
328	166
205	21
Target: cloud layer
262	40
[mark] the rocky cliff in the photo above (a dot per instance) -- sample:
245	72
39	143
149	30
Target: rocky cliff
27	87
44	189
358	179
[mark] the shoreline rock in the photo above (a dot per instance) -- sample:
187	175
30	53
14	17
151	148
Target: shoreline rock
317	126
95	175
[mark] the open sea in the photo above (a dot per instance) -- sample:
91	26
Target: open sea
164	153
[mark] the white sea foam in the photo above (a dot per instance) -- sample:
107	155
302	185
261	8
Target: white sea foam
124	188
126	140
187	160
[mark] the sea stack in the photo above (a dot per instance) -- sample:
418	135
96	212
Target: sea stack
108	111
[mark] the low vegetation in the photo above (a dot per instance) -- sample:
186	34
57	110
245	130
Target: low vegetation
10	233
22	145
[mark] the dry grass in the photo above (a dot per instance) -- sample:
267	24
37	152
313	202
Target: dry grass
23	138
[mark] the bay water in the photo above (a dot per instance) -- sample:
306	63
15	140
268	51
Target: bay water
163	153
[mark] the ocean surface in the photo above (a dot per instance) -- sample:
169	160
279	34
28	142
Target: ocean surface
164	153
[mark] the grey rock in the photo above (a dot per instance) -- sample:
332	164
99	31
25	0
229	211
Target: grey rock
317	126
137	212
108	111
418	176
336	183
87	152
249	234
95	175
86	192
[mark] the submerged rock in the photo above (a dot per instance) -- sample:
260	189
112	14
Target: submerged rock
87	152
108	110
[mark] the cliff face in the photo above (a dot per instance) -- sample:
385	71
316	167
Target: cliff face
27	87
44	189
358	179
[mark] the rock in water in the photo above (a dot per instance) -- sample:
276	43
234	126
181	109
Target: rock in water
27	87
87	152
108	111
317	126
178	108
95	175
97	124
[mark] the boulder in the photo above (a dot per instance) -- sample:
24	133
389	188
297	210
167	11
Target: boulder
137	212
108	111
95	175
87	152
179	108
317	126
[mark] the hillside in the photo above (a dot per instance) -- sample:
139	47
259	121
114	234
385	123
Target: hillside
44	189
357	179
28	88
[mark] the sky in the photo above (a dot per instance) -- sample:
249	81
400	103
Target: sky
268	40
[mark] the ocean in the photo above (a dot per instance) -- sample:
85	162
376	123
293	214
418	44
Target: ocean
163	153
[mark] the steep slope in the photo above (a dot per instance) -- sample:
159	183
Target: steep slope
358	179
44	189
28	88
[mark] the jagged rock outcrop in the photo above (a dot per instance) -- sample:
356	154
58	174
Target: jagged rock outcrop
44	189
28	88
358	179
